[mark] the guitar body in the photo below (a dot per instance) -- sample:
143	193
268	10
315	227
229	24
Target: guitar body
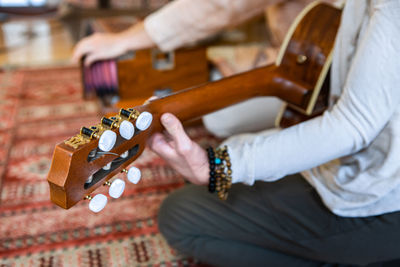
144	73
298	78
290	115
306	57
140	74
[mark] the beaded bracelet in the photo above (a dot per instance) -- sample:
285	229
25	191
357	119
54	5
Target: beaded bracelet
220	171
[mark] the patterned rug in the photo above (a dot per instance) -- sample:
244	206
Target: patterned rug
39	108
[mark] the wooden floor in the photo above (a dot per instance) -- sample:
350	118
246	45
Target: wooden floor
34	42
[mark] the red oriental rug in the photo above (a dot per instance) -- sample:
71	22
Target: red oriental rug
39	108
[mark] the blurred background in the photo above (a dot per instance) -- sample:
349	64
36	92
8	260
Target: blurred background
39	32
41	105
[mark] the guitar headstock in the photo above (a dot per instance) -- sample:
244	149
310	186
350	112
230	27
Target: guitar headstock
91	158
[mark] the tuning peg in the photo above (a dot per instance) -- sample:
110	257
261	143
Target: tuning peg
124	155
89	179
117	187
129	113
97	203
126	130
133	174
106	140
109	122
144	120
107	167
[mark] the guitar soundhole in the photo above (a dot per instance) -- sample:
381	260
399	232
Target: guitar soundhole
116	163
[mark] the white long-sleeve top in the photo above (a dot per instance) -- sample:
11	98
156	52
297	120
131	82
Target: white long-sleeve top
184	22
350	154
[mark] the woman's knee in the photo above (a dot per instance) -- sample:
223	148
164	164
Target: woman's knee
167	215
176	214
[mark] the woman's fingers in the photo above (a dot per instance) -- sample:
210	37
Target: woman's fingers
81	49
97	47
161	146
174	143
174	128
91	58
176	148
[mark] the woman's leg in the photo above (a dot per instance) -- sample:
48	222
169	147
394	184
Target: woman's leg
280	224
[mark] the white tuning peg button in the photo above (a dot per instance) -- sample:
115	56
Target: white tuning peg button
133	174
126	130
97	203
89	179
116	188
125	155
107	167
107	140
144	120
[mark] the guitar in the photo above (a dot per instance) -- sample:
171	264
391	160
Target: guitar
123	78
299	77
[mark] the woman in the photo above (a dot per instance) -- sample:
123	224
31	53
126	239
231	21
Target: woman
324	191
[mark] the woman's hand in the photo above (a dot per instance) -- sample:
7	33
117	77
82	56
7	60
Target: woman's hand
178	150
110	45
99	46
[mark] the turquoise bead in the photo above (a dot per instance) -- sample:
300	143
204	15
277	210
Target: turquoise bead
217	161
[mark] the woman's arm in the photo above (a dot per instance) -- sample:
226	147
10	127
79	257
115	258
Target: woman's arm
175	25
369	99
370	96
185	21
109	45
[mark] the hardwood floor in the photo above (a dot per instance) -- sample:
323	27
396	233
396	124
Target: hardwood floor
34	42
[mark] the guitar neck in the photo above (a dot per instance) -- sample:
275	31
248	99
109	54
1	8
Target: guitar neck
195	102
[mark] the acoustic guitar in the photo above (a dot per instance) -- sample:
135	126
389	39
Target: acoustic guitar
141	74
299	77
135	76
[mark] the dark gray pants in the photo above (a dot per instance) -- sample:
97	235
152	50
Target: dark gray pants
274	224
